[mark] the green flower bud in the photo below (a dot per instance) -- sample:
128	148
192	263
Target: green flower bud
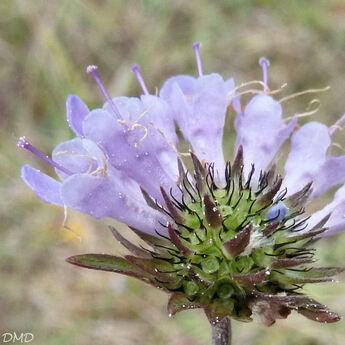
210	264
191	288
225	289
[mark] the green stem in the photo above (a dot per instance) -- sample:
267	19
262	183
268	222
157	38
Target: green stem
221	332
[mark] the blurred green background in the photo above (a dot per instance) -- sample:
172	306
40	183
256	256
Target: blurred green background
45	47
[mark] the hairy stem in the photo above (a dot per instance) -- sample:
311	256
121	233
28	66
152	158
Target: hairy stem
221	332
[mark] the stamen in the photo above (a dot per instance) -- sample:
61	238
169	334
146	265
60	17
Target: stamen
65	226
90	157
135	124
135	69
337	125
232	93
92	69
196	47
305	92
24	144
339	147
313	103
170	143
264	62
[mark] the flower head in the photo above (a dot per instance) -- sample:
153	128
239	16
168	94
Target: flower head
230	237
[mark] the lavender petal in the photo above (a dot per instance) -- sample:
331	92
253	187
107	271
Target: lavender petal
199	108
309	146
125	151
46	188
261	132
77	155
76	111
101	197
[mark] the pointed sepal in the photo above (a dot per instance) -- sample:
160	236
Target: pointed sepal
149	201
270	228
287	262
162	271
238	244
199	173
130	246
151	240
212	214
171	208
268	196
314	275
299	199
251	279
179	302
177	242
237	165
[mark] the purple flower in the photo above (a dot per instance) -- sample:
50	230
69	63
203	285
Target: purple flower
130	145
222	237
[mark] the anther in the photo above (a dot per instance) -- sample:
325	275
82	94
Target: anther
24	144
135	70
264	62
196	47
92	69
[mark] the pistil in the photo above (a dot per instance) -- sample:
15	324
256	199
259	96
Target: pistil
264	62
92	69
196	47
135	70
24	144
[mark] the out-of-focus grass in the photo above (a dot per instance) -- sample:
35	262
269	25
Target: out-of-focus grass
44	49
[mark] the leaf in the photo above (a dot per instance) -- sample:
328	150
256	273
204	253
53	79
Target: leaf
218	310
289	300
110	263
179	302
323	316
163	272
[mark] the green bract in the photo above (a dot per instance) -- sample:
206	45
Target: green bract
224	254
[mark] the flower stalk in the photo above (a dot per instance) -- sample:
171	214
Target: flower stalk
221	332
